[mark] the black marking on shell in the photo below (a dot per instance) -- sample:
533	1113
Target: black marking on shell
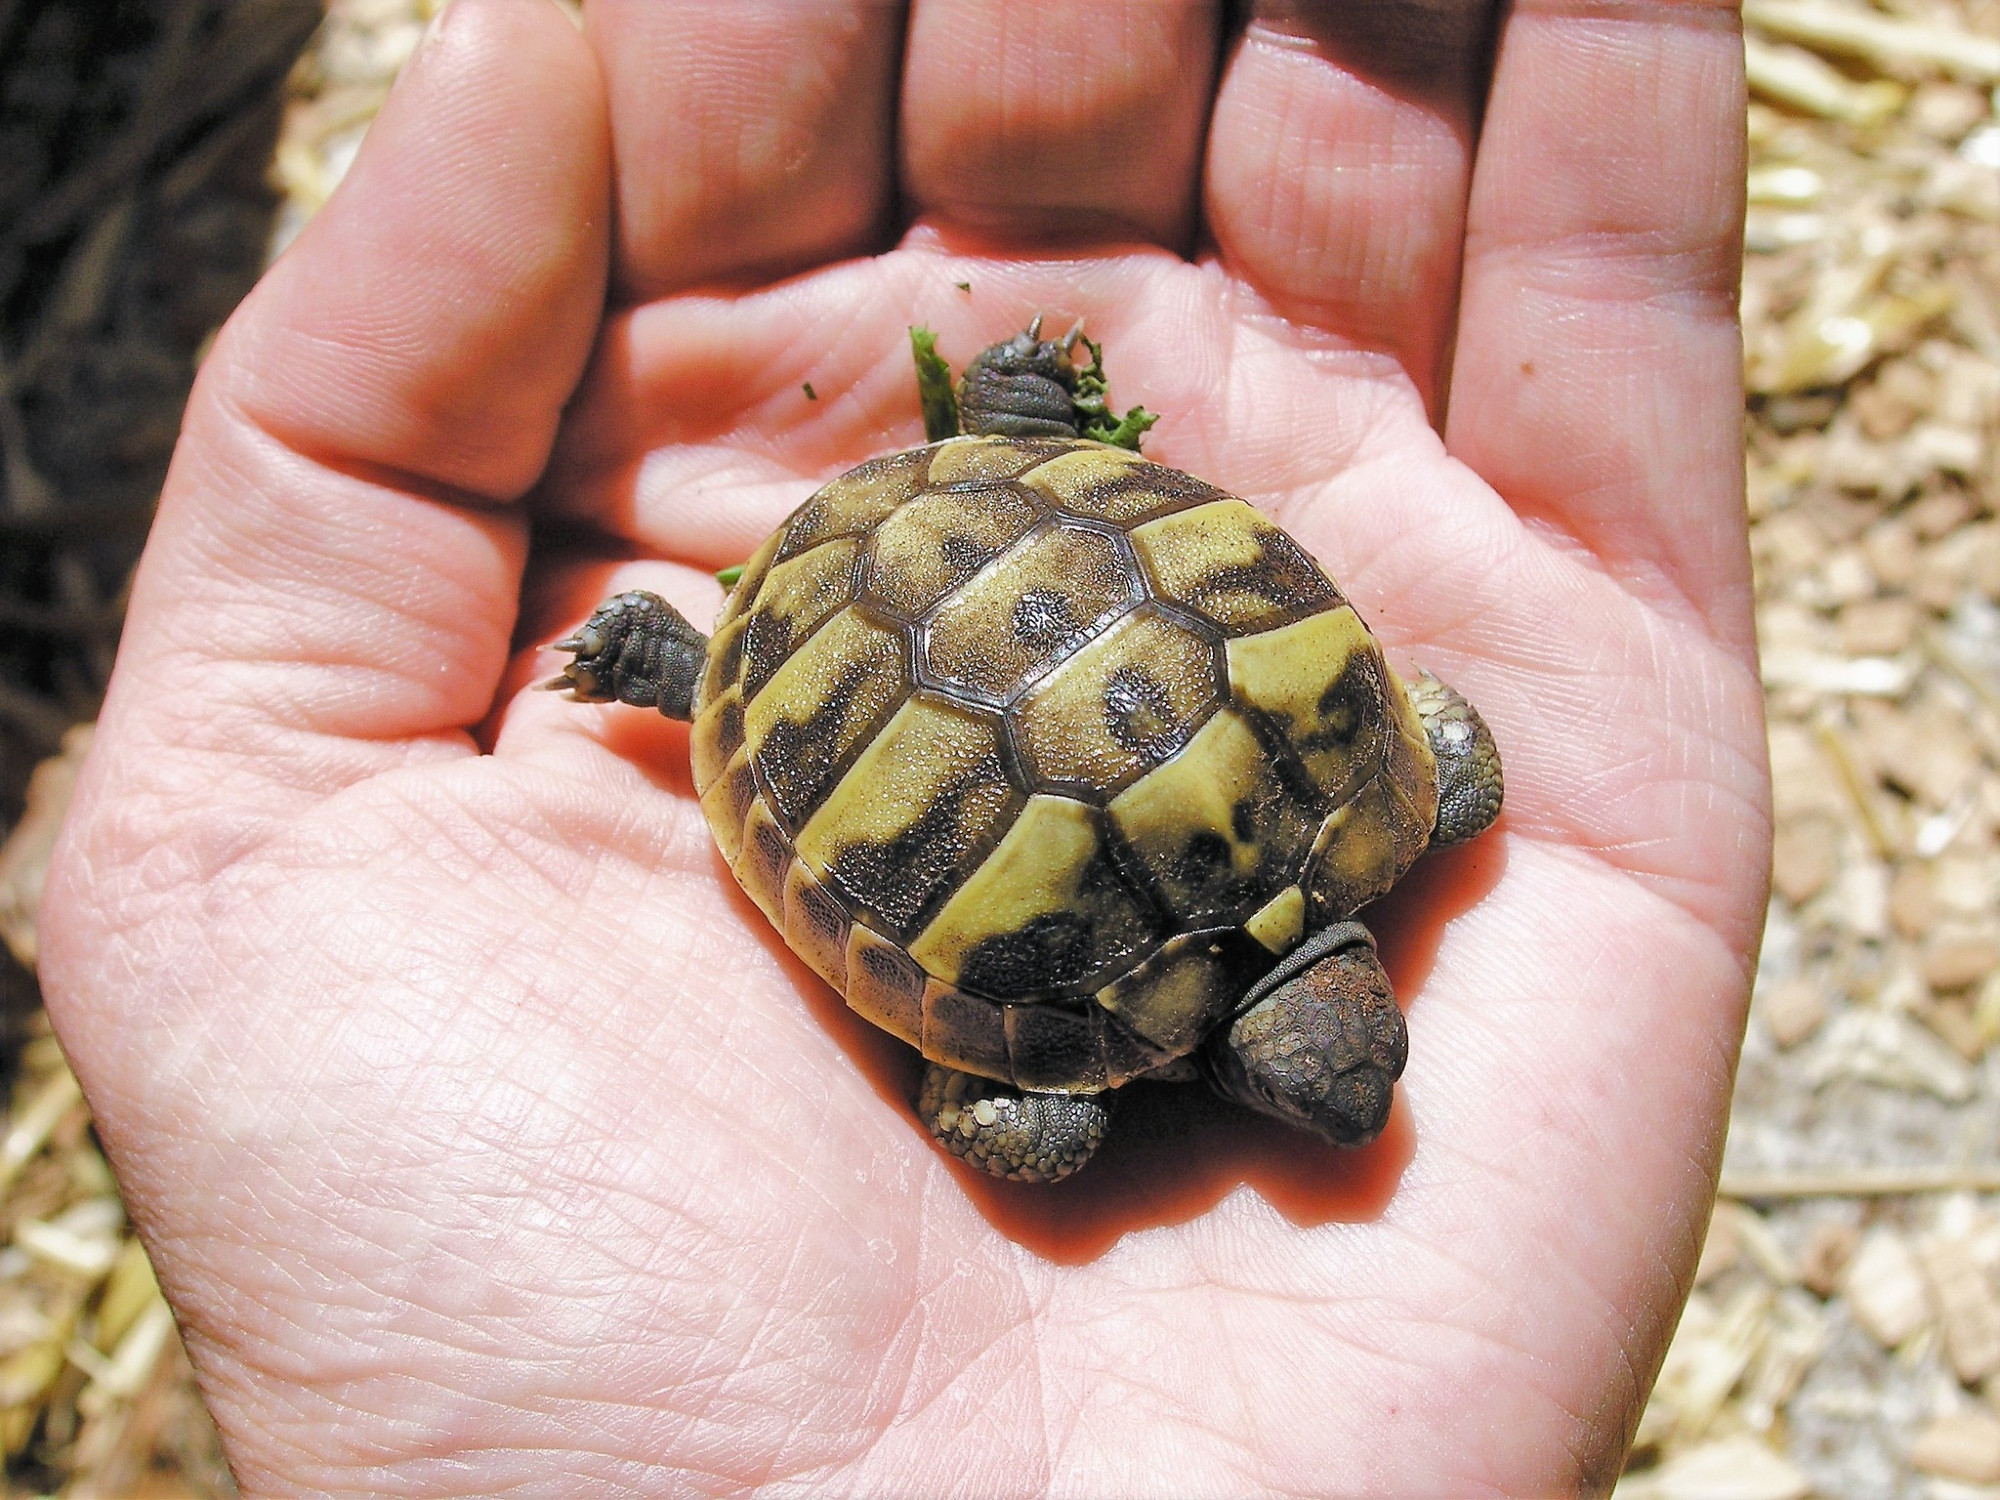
905	880
1278	749
1282	575
1043	619
962	556
1139	714
786	746
900	473
1053	953
1137	879
890	968
1050	952
1171	490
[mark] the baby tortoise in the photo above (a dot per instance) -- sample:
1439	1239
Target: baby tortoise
1064	767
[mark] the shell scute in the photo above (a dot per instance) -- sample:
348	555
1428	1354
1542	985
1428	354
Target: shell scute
715	737
726	802
815	925
1216	829
1057	587
1363	848
761	862
1113	484
1051	1047
913	813
961	460
885	985
1281	921
939	540
797	597
853	504
1045	912
964	1031
820	706
1121	705
1175	997
1322	685
744	593
725	659
1229	564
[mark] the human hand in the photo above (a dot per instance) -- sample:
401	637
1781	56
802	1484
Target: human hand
486	1138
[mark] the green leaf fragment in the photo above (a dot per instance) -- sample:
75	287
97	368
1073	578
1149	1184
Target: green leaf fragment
1094	416
730	577
934	391
1126	433
963	286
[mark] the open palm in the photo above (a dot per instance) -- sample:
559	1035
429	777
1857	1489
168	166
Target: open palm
485	1136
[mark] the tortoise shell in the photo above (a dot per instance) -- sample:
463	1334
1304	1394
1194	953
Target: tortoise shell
1042	753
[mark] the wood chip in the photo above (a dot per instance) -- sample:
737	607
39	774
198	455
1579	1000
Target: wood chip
1895	45
24	858
1826	1255
1958	965
1794	76
1805	855
1719	1249
1861	1182
1877	1046
1964	1445
1912	907
1885	1288
1878	627
1793	1010
1968	1311
1738	1468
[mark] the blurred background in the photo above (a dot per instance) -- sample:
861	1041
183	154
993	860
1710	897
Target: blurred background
1844	1337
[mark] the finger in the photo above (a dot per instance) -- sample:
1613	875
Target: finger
316	569
1598	379
752	137
1051	119
1337	167
433	319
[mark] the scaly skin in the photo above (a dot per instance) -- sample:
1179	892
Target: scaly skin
485	1139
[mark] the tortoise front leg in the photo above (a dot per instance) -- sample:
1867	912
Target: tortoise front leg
635	648
1011	1132
1320	1043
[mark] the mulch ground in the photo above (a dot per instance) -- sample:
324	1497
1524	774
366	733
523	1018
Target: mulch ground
1844	1338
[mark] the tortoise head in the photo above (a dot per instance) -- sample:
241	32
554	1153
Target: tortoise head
1319	1042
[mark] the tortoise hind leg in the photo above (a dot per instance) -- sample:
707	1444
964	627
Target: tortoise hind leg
1468	762
635	648
1010	1132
